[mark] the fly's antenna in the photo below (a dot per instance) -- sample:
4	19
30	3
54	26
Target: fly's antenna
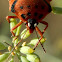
40	42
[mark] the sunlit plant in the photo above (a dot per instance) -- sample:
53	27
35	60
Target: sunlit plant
24	51
24	48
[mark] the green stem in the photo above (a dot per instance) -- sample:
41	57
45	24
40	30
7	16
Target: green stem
18	55
17	33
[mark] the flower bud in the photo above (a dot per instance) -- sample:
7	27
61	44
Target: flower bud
9	48
13	53
12	24
34	41
26	50
24	43
33	58
16	47
25	35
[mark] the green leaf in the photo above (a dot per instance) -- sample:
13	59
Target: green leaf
4	56
56	3
2	46
4	38
56	6
57	10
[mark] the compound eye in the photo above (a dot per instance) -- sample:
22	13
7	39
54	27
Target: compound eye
35	24
29	24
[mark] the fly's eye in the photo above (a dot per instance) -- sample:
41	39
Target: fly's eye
35	24
29	24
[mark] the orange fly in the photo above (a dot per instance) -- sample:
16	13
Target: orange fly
31	12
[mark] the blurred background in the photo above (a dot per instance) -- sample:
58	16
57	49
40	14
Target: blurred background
53	34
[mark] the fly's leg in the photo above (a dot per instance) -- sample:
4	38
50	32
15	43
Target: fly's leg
15	27
8	19
45	23
40	33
